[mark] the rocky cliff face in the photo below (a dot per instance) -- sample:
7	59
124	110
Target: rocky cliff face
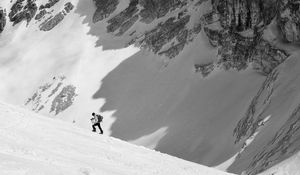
238	34
289	20
241	15
104	8
57	94
22	10
283	134
51	22
173	32
150	9
124	20
154	9
26	10
234	27
249	124
2	19
283	144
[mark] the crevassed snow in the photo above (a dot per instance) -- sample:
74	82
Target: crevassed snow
36	145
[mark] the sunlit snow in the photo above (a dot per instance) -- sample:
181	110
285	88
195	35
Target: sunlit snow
36	145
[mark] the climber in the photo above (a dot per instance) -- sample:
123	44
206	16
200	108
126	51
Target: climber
97	118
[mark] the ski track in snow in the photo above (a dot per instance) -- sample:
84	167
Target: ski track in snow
36	145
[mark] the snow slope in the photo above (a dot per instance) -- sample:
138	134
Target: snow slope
146	99
171	108
29	58
35	145
165	108
287	167
278	138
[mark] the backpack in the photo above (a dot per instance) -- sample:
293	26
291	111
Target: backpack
99	118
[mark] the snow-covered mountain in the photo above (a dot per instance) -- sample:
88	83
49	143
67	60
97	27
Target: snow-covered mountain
29	145
213	82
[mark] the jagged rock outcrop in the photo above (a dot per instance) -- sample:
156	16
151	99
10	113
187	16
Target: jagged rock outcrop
68	7
20	12
51	22
279	89
36	98
127	25
168	38
2	19
64	99
125	19
153	9
204	69
237	52
173	51
289	20
49	4
55	96
43	9
284	144
40	15
240	15
248	125
104	9
266	57
239	38
164	33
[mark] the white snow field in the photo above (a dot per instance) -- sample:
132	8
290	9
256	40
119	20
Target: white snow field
30	57
35	145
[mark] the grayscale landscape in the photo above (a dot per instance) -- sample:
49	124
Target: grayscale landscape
205	86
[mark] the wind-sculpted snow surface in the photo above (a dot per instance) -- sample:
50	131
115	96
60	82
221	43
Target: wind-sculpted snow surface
32	144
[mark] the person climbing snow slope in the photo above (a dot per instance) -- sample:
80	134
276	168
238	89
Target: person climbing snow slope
96	120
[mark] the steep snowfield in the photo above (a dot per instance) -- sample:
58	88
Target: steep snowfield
30	57
145	99
278	138
35	145
163	104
